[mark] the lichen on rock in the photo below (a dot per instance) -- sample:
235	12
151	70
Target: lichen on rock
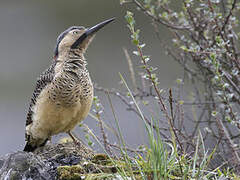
63	161
43	163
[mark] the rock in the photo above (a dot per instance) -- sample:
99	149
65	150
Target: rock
22	165
44	162
63	161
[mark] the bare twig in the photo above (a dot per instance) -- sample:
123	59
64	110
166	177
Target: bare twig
158	19
230	143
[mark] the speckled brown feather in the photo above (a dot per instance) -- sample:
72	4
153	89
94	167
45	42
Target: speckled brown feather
62	98
45	78
64	93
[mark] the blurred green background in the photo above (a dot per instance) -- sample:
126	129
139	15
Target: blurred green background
28	33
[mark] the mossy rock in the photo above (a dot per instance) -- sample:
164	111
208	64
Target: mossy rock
44	162
98	167
70	172
101	159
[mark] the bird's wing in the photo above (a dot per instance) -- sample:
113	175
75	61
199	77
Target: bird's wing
45	78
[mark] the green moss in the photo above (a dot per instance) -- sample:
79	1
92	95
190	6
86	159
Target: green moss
101	159
98	176
70	172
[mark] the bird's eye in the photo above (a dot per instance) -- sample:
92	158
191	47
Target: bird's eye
75	32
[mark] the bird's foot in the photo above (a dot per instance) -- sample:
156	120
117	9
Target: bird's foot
75	139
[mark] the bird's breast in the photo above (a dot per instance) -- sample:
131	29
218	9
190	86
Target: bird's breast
62	105
55	115
70	87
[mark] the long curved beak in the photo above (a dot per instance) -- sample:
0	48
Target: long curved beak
90	31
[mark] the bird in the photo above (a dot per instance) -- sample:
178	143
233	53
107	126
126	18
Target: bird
63	93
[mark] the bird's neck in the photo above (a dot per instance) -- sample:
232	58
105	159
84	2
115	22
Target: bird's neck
77	55
74	55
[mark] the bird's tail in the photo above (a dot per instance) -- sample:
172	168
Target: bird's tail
30	147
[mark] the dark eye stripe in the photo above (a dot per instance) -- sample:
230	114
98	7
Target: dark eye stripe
62	35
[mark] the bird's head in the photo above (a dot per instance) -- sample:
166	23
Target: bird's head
77	38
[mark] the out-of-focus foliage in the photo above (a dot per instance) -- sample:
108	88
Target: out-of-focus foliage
205	42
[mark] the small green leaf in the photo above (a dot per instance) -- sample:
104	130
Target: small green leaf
184	48
214	113
181	102
135	41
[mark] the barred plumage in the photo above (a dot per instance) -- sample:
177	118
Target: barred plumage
64	92
45	78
